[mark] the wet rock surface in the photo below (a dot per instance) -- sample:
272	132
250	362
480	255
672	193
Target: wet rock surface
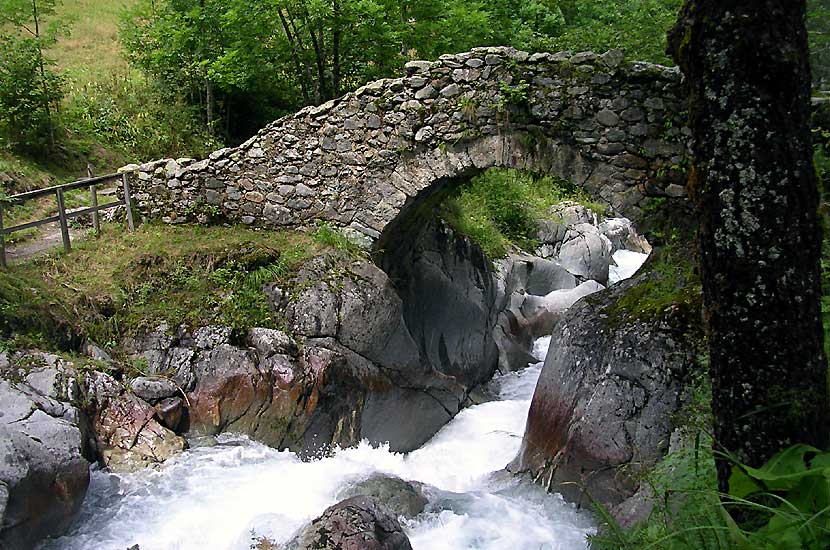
128	432
357	523
572	261
402	498
43	472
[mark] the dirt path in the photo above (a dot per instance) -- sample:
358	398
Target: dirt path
48	239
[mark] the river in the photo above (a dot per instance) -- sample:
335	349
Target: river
222	496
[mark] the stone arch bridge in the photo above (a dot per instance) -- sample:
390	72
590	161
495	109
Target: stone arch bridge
611	126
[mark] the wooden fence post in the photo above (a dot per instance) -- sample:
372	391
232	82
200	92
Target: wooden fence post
93	196
2	240
96	220
125	177
64	225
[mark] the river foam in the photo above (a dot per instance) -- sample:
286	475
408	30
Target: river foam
219	497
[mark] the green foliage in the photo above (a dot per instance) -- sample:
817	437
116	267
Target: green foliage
787	497
499	208
791	494
254	60
29	87
330	236
636	26
818	27
672	287
134	118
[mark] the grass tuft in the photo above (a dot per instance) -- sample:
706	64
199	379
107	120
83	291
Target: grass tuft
499	208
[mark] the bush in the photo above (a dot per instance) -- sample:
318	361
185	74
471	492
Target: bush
126	114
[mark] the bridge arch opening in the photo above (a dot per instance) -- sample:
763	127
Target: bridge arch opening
485	256
424	179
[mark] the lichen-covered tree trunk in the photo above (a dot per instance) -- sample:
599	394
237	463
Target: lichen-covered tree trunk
755	190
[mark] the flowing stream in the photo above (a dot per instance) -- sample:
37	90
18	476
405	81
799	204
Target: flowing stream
223	496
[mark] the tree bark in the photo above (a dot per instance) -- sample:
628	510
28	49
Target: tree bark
209	104
302	75
336	37
319	58
46	102
755	191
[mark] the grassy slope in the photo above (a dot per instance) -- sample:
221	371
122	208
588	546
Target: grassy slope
123	282
92	52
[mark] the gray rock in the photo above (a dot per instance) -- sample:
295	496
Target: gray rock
424	134
542	312
448	291
608	118
371	319
357	523
586	253
623	236
94	351
314	312
128	436
400	497
153	389
269	341
603	406
451	90
43	474
524	278
170	412
427	92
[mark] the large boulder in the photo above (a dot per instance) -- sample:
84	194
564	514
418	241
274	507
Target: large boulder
128	430
391	374
533	292
357	523
572	236
402	498
449	295
622	235
603	407
43	472
542	312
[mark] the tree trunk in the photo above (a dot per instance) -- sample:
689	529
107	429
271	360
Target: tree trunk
46	104
319	58
302	74
754	187
209	104
336	37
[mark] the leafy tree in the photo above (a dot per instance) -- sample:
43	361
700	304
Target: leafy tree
256	60
754	188
29	88
636	26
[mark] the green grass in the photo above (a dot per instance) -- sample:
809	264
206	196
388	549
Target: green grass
499	208
329	236
91	52
123	283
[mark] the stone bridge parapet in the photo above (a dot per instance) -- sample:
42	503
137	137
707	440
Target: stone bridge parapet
608	125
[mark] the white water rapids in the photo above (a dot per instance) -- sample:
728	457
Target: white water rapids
217	497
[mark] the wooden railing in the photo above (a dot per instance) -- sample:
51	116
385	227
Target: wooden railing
63	216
